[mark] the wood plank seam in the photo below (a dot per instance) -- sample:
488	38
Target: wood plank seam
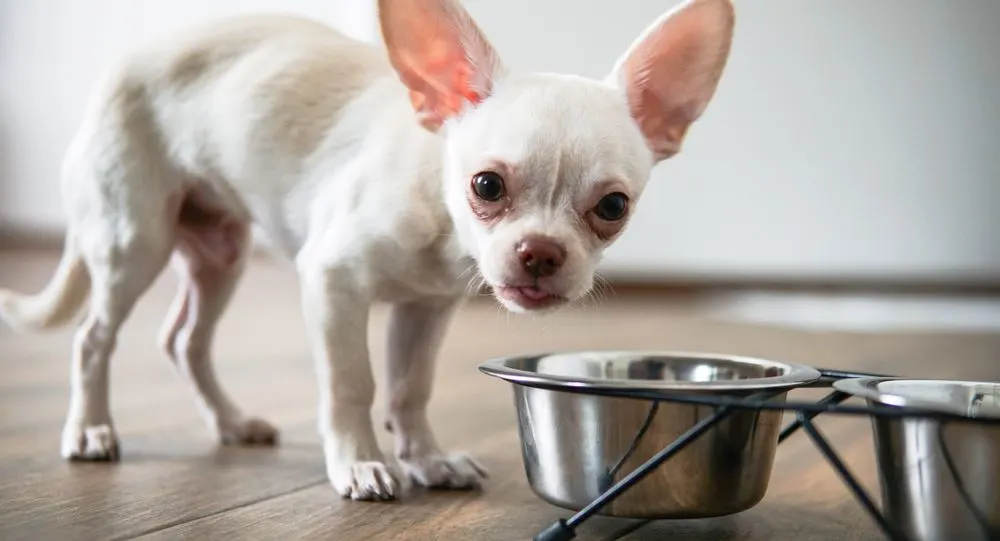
174	524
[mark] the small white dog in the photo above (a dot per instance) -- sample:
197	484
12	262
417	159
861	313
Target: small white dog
406	178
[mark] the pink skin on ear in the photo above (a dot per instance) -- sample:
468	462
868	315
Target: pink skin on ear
440	55
671	72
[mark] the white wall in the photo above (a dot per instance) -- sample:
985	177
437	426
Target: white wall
51	52
848	139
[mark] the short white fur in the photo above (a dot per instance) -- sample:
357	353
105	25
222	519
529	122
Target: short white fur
359	166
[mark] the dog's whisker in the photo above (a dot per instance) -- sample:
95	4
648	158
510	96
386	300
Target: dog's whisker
476	283
598	294
603	286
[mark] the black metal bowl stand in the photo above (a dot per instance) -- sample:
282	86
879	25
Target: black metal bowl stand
805	412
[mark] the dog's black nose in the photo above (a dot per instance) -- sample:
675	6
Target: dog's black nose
540	256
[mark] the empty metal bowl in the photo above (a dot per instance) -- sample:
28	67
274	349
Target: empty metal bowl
576	445
938	478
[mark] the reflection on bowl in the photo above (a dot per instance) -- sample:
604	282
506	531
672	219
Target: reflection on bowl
576	445
938	478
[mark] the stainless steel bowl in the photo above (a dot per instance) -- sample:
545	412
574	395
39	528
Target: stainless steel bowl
938	479
576	445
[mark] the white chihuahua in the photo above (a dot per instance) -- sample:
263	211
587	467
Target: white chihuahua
406	178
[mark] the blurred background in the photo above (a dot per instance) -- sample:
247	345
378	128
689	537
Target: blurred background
838	206
849	142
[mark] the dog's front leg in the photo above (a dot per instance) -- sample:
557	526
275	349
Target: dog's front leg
337	324
415	334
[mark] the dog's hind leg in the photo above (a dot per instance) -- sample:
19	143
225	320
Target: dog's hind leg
122	198
209	259
121	267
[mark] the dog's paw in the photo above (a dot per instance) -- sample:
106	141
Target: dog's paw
96	443
439	470
365	481
249	431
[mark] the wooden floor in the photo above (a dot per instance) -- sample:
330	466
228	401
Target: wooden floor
174	483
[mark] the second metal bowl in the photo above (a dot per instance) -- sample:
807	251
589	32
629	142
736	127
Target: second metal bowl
576	445
938	478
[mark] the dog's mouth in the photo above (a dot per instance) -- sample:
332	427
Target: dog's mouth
528	297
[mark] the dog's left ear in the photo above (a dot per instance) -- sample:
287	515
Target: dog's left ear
671	71
440	55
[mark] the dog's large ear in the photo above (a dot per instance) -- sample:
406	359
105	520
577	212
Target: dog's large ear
440	55
670	73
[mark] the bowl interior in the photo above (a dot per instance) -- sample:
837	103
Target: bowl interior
974	399
649	367
654	370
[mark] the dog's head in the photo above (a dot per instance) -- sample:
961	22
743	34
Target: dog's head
542	172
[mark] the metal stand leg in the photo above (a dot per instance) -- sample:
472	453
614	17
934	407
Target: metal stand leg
564	530
848	478
832	399
635	444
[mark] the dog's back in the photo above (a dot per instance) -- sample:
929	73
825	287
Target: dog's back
250	94
181	133
385	184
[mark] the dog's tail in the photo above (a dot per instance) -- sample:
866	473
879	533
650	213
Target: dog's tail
57	303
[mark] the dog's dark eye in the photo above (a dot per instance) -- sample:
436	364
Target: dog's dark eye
488	186
612	207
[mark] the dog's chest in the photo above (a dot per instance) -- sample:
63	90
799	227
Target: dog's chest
434	270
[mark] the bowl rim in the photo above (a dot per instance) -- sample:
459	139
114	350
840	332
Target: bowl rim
867	388
796	375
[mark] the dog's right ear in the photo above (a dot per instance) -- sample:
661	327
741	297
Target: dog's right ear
440	55
671	71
